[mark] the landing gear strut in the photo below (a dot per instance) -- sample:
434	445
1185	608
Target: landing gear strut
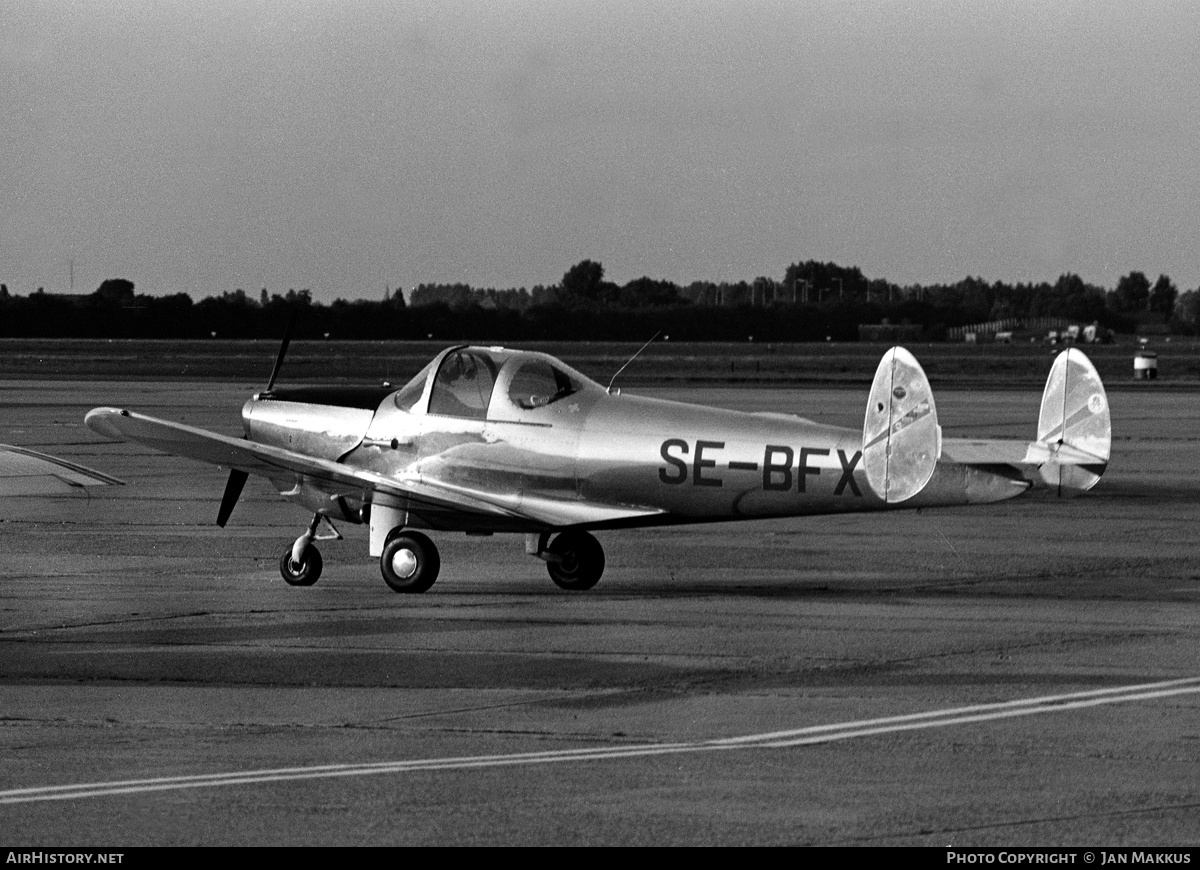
575	561
301	564
410	562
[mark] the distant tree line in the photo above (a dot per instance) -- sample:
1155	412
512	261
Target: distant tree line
812	302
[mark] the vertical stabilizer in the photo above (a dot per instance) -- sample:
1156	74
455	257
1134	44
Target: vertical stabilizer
1074	424
901	437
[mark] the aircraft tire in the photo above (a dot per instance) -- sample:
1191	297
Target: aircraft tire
582	561
307	572
410	562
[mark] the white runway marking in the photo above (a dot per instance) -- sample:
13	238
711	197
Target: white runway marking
770	740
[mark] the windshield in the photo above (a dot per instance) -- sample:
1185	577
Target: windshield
411	392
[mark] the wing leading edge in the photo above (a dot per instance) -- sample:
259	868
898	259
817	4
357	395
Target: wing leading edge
28	472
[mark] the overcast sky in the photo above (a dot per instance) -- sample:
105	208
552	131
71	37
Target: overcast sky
350	146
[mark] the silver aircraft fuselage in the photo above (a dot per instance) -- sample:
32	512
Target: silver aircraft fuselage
673	462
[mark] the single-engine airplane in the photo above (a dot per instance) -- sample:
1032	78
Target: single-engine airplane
488	439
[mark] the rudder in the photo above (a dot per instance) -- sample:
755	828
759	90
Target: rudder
1074	424
901	437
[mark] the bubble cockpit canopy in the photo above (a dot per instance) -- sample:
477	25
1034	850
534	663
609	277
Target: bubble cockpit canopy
477	383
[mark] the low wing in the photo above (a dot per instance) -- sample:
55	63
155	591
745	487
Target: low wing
27	472
406	491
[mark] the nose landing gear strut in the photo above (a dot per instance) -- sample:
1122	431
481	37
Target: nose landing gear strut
300	564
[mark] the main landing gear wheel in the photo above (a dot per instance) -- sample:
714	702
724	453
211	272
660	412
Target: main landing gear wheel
302	573
410	562
577	561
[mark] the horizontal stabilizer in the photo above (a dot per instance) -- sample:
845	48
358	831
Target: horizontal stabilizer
901	437
1074	434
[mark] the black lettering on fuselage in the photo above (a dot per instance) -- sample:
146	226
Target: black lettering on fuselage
700	463
777	475
780	470
681	471
848	473
805	468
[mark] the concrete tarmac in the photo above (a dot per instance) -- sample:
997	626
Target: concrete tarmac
1021	674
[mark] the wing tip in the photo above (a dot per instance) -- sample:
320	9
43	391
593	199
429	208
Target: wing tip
100	421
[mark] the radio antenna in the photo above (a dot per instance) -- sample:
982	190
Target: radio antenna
632	358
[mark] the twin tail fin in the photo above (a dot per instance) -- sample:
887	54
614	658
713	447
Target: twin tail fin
1074	427
902	440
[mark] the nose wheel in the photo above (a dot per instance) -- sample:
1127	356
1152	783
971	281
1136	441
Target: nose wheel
304	572
409	562
300	564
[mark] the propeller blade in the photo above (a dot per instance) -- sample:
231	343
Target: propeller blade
287	339
233	489
237	478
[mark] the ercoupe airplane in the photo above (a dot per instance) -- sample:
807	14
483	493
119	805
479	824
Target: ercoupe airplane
487	439
27	472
